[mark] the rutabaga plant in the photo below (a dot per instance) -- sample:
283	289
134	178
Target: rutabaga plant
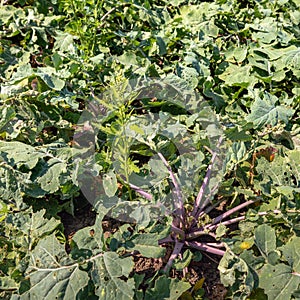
181	157
171	144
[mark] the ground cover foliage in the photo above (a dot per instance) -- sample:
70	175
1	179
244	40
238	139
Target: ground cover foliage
70	71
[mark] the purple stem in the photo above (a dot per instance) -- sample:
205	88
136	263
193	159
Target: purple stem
232	211
205	247
206	201
178	193
195	234
216	245
176	251
232	221
168	239
197	207
178	231
140	191
209	209
235	220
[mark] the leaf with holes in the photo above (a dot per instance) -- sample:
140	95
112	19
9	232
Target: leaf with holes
282	280
106	275
52	274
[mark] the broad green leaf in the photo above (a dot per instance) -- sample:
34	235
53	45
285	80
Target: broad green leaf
238	151
110	183
273	53
238	76
91	237
50	180
283	172
7	283
167	289
141	216
265	30
265	239
147	244
265	111
7	12
221	231
20	154
11	186
292	59
34	225
64	42
278	281
291	253
50	77
53	274
190	75
7	114
281	280
24	71
239	54
209	28
161	45
128	59
106	274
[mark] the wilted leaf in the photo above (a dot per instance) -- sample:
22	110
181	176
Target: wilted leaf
236	274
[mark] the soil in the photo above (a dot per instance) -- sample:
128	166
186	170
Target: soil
207	268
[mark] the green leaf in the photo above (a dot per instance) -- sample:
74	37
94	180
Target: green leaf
265	111
283	172
50	180
147	244
128	59
278	281
90	237
281	281
161	45
190	75
291	253
106	276
23	71
235	273
110	183
265	239
187	257
53	274
167	289
33	225
64	42
7	114
20	154
221	231
238	151
50	77
238	76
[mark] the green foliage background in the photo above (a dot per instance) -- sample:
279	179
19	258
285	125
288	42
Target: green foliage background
242	57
